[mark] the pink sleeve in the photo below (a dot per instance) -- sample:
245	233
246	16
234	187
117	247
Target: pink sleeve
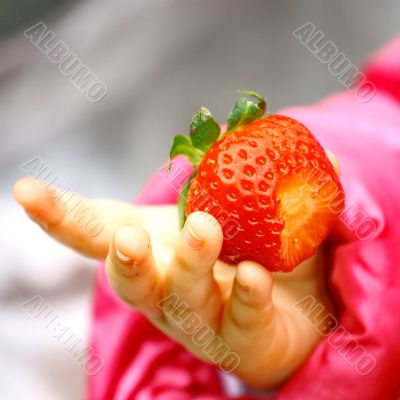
361	358
383	68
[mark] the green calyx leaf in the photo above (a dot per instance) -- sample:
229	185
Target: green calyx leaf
182	145
204	130
182	201
246	111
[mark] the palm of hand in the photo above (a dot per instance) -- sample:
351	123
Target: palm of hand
149	259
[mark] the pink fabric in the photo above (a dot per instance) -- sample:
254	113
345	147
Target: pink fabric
384	68
142	363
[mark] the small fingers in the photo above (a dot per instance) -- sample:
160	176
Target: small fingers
252	317
85	225
190	275
63	215
131	271
250	307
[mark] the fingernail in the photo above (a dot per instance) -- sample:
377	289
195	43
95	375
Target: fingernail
122	257
126	266
191	239
125	259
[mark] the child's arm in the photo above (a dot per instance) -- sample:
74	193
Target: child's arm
148	259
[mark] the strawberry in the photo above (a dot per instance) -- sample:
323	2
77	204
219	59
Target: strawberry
266	180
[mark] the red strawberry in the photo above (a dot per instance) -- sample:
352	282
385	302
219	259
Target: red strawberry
266	180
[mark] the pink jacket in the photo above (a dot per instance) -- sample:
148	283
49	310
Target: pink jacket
361	358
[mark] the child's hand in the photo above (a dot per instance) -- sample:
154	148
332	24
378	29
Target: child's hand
148	258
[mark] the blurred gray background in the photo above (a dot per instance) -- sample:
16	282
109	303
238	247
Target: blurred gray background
161	60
